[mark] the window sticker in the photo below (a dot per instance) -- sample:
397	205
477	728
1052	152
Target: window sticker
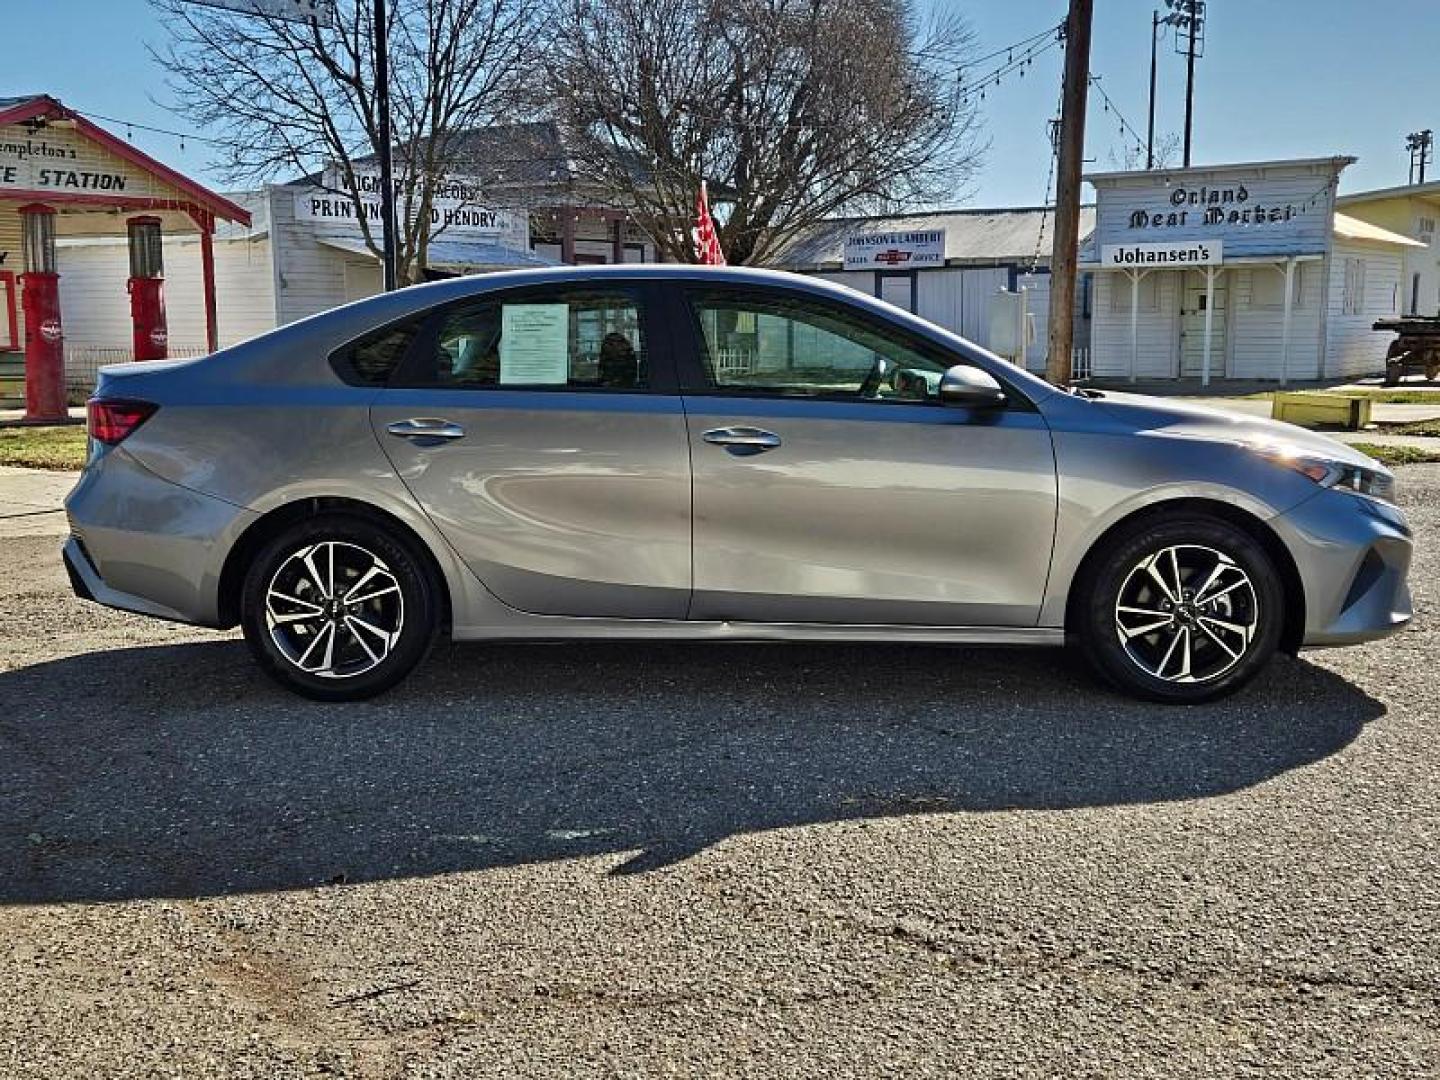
534	344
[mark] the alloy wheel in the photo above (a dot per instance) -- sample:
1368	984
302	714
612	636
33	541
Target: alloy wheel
334	610
1186	614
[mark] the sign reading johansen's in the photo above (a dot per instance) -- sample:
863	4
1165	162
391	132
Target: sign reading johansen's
895	250
1194	253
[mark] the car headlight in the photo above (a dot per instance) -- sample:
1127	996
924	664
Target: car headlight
1341	475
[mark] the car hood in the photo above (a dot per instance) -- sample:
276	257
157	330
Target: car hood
1187	419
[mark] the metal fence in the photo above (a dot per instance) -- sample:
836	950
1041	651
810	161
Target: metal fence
83	363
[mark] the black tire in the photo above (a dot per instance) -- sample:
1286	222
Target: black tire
1247	619
285	610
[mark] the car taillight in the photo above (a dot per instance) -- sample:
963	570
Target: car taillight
110	420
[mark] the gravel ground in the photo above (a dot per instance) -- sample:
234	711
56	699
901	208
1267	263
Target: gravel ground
703	860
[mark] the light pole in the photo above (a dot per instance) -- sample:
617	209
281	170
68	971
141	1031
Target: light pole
387	169
1150	131
1188	16
1419	143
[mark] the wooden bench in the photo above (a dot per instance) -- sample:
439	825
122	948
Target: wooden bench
1322	410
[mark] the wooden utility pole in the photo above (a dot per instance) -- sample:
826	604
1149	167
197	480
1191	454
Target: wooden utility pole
1067	191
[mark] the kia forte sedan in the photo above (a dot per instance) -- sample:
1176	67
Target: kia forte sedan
708	454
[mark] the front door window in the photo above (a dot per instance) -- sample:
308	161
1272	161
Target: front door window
797	347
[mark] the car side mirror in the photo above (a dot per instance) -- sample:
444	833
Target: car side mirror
970	387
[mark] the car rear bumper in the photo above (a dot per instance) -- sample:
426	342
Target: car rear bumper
141	543
1353	555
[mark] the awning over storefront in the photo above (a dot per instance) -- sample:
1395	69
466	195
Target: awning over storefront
1349	228
454	254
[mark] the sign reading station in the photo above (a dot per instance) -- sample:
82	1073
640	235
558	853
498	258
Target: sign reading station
1194	253
895	250
61	161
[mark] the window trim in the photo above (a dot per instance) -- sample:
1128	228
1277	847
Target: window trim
693	381
662	378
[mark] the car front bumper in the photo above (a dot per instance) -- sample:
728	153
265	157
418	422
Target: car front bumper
1353	555
141	543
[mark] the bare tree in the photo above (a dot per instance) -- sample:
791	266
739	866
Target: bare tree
1132	155
298	98
793	110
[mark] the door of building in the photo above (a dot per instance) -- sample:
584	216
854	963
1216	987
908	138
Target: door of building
898	289
1192	326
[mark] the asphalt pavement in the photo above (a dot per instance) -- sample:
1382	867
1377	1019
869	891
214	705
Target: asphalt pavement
632	859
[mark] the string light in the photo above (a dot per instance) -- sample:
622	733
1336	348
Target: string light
1110	107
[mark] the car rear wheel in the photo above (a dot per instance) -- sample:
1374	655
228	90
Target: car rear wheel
1181	610
338	608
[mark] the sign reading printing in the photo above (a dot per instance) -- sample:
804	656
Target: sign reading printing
895	250
534	344
454	212
1194	253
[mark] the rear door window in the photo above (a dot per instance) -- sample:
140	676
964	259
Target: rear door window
579	338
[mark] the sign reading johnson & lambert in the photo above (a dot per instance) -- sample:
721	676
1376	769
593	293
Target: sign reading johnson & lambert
895	250
1192	253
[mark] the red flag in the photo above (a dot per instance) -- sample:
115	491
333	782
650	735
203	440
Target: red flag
707	243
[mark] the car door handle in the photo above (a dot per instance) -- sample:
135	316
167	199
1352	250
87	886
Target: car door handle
426	427
750	439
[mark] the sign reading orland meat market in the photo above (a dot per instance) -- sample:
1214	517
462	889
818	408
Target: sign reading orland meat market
895	250
454	211
1263	208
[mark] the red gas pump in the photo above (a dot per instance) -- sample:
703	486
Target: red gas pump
146	288
40	301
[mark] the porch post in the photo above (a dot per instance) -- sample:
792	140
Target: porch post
1285	324
1209	318
617	239
207	271
1134	276
567	234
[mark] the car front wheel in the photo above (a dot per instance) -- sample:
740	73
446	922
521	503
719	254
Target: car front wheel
1181	610
338	608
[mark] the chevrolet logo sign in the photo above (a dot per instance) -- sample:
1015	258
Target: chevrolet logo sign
892	257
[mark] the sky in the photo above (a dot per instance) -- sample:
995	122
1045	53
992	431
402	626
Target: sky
1279	78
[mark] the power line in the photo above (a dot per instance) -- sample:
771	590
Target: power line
135	125
977	87
1009	50
1110	106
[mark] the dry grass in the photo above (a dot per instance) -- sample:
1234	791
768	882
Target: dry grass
43	447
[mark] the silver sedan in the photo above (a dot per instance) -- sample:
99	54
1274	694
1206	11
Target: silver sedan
670	452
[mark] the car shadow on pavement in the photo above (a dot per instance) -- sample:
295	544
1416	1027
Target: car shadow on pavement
180	771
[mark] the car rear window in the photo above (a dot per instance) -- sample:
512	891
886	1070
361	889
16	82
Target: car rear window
373	359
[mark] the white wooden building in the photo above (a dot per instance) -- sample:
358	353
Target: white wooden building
282	267
979	253
301	254
1411	210
1191	268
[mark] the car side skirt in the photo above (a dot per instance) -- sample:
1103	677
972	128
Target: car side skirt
558	628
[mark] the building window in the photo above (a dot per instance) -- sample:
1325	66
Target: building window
1353	301
1267	287
1147	300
